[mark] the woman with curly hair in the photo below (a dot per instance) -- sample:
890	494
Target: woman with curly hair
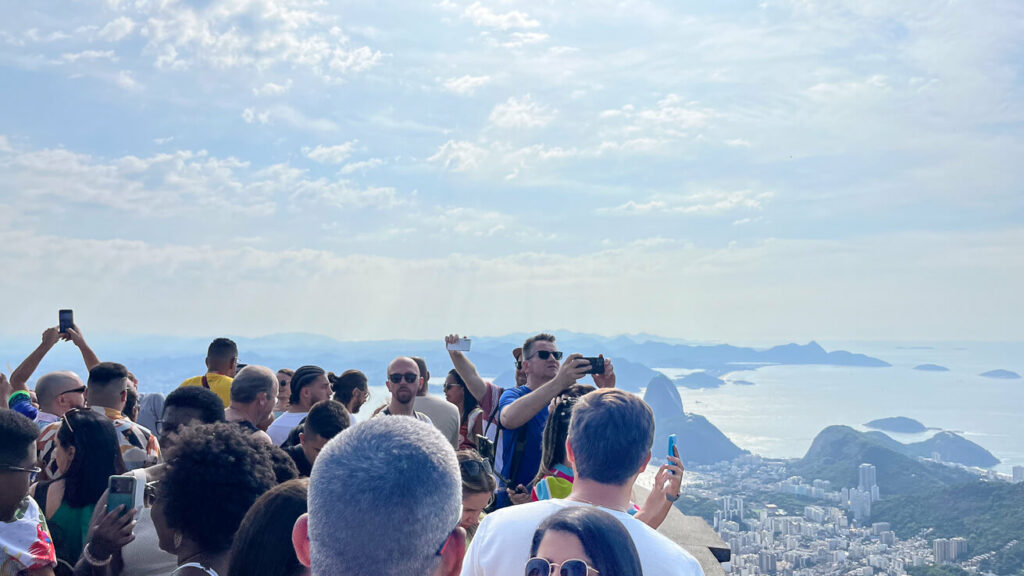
214	474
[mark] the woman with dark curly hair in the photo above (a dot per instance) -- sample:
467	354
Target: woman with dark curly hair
262	544
582	541
214	474
87	454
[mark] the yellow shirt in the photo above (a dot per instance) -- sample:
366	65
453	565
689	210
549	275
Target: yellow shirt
219	383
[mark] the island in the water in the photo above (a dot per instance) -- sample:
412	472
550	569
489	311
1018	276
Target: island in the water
697	380
1001	374
931	368
898	424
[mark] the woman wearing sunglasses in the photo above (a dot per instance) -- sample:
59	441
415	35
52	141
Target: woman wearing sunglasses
469	412
582	541
478	486
87	455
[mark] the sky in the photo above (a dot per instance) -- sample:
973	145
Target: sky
710	170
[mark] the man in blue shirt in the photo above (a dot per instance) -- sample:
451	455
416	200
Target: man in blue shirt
524	409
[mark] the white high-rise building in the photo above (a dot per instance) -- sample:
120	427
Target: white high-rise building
940	547
957	548
867	477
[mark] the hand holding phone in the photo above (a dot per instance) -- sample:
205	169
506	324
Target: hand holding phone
596	364
460	345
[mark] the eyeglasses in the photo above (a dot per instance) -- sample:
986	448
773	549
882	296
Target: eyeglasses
67	420
32	472
545	354
410	377
541	567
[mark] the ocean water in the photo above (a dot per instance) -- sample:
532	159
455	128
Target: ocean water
787	406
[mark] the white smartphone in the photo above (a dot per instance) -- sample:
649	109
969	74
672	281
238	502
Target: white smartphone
462	345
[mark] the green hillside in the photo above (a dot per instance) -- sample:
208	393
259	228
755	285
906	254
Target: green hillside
838	451
988	514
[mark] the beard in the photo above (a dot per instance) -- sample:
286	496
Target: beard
404	395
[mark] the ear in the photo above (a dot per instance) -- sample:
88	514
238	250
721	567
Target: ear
207	364
452	554
646	461
570	456
300	540
302	438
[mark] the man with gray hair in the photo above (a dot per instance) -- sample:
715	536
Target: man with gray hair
253	398
385	499
609	445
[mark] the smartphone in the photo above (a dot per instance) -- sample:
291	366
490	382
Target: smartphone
596	365
462	345
67	320
121	492
672	447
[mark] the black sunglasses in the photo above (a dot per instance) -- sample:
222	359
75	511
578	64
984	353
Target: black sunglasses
410	377
545	354
82	390
475	467
541	567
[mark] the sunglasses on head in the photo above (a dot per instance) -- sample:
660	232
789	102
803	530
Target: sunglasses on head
541	567
475	467
545	354
67	420
410	377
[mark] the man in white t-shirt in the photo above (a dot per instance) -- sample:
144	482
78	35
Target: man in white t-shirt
309	385
609	445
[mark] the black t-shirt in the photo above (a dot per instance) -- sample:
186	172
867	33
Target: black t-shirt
301	462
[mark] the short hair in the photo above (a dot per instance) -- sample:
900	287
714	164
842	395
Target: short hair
107	374
605	540
611	433
222	349
344	385
16	434
287	371
326	419
303	377
258	549
206	402
252	380
542	337
421	365
284	467
365	478
214	473
475	479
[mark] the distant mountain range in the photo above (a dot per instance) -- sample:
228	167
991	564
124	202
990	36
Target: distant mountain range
931	368
837	451
162	362
699	441
949	446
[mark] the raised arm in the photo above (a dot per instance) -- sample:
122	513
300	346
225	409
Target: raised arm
467	371
21	374
88	356
521	410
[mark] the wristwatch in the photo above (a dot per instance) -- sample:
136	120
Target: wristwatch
671	497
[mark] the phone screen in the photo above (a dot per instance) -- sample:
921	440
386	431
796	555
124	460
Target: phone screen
67	320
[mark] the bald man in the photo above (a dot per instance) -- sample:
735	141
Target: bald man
404	382
58	392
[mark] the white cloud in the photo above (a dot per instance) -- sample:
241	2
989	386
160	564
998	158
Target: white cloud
459	156
272	89
162	141
705	203
126	80
465	85
519	39
5	144
361	166
251	116
330	154
117	29
485	17
521	113
738	143
72	57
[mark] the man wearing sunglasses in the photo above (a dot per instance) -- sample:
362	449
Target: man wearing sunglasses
524	409
404	383
57	392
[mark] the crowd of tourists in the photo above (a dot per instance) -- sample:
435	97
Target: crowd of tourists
245	471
